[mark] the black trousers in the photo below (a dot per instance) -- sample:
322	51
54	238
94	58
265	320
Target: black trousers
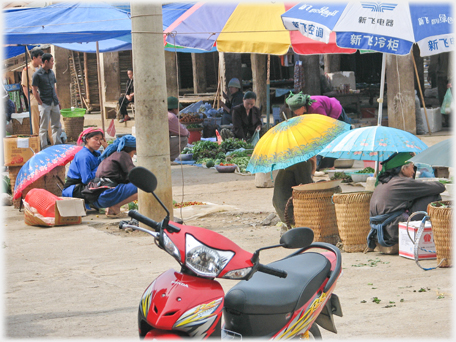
123	103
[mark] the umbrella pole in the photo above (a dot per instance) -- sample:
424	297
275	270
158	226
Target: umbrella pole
380	101
382	89
100	89
267	92
421	93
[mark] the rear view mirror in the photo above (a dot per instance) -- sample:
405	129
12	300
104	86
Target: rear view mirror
297	238
143	179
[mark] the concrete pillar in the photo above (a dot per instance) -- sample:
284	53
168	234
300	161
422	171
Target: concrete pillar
259	77
401	92
199	73
311	65
172	87
151	118
110	76
332	62
62	74
230	66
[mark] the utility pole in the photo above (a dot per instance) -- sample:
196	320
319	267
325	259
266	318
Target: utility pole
151	105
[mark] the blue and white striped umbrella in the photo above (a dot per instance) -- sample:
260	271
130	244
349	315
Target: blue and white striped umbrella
372	143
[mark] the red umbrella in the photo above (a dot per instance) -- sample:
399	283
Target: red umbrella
42	163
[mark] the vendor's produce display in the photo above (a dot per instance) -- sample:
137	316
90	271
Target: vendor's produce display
366	170
210	153
186	204
190	118
194	127
341	175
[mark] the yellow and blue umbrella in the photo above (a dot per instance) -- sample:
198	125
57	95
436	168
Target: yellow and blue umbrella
373	143
293	141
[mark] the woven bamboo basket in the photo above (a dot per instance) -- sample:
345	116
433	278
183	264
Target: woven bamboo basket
21	129
73	127
49	182
352	214
441	220
314	209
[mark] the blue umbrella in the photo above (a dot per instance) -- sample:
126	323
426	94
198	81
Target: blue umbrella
372	143
436	155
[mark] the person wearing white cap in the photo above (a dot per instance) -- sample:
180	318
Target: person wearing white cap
236	98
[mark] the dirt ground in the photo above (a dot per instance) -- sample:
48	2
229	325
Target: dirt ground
85	281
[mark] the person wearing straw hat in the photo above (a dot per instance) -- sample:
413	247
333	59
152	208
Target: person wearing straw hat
178	134
395	198
306	104
112	177
85	163
236	97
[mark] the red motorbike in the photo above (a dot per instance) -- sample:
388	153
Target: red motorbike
284	299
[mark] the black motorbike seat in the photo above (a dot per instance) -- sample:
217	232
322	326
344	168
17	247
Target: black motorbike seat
267	294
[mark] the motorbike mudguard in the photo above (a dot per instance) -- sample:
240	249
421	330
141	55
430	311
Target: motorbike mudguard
325	318
183	303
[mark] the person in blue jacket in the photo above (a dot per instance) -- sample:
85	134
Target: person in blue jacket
85	163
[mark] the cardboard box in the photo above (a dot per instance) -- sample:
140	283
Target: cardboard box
17	150
68	211
406	246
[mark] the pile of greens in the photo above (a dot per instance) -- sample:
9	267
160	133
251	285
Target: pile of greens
366	170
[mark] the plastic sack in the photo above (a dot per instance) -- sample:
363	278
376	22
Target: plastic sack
425	170
255	138
446	104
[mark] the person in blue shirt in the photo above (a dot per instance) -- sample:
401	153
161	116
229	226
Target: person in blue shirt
85	163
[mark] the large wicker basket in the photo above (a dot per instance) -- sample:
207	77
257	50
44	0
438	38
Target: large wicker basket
314	209
352	214
441	220
52	182
73	127
21	128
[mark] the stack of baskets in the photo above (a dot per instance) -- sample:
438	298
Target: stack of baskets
314	209
21	124
52	182
352	213
441	214
73	121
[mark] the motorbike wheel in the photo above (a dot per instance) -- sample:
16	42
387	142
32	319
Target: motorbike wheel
312	334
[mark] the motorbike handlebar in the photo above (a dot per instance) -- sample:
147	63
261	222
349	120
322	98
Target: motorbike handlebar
141	218
272	271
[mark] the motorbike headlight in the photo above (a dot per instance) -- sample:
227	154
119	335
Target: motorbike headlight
238	274
204	260
170	247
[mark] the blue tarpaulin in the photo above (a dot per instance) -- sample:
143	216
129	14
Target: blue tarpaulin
65	23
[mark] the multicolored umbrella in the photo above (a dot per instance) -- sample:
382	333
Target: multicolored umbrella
293	141
41	163
387	27
391	27
242	28
372	143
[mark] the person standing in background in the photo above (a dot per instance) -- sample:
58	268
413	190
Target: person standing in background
45	92
124	101
236	98
26	83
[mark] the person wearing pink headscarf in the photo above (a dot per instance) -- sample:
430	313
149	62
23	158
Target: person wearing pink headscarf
85	163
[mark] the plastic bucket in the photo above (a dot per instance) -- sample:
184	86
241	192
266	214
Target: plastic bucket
72	112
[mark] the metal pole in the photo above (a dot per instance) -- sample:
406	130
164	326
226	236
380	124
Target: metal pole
100	89
28	91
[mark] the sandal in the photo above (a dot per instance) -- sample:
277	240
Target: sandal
117	216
